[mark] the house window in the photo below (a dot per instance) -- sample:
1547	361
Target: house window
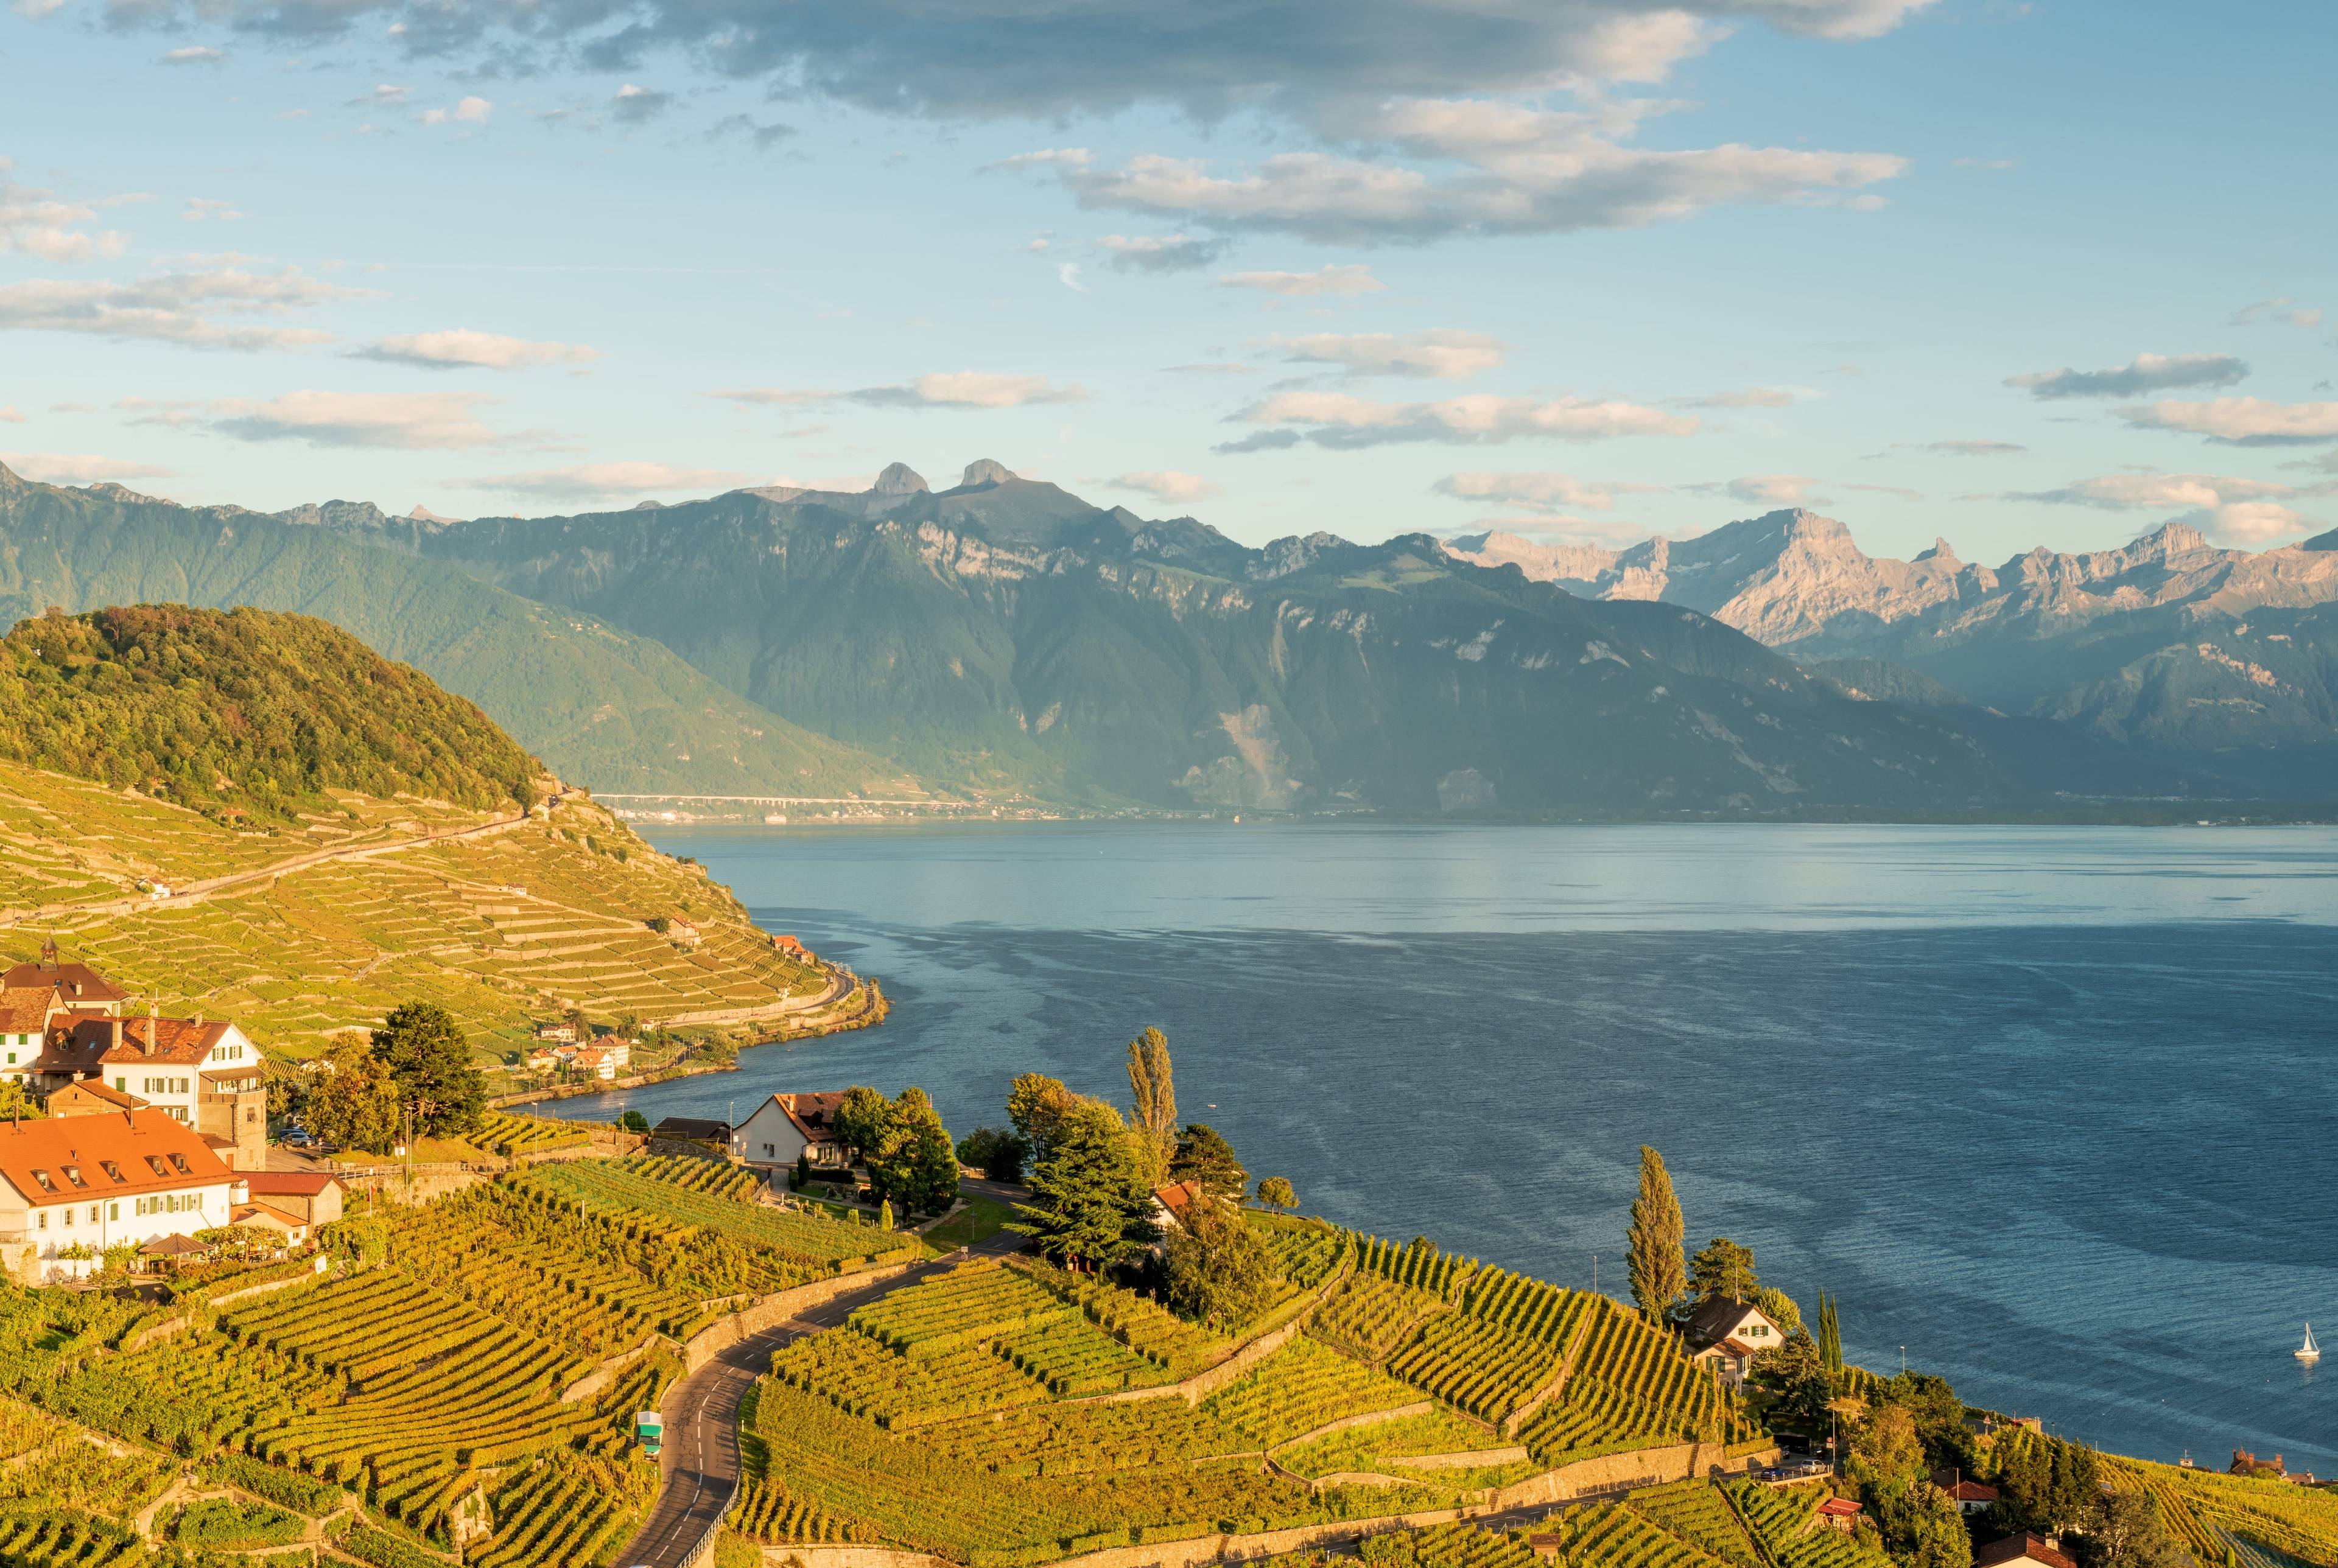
92	1213
113	1210
69	1217
44	1218
770	1152
122	1083
11	1058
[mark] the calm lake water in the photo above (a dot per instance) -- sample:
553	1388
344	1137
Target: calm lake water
2052	1109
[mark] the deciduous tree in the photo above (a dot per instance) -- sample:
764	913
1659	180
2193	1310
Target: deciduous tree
913	1160
1275	1193
354	1103
1219	1271
2127	1532
1658	1271
1035	1108
995	1152
1154	1087
862	1119
1779	1308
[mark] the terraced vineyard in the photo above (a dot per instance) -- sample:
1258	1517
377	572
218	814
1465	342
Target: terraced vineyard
766	1511
1631	1384
520	1136
498	928
2208	1512
1784	1520
651	1206
1610	1532
1025	1385
1697	1512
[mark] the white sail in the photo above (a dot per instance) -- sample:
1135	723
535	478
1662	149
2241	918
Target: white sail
2309	1351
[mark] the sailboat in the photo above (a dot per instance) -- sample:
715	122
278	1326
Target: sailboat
2308	1352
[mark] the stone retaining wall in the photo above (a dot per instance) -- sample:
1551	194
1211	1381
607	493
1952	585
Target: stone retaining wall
778	1307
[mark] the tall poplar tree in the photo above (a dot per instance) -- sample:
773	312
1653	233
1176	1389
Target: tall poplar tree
1150	1078
1659	1263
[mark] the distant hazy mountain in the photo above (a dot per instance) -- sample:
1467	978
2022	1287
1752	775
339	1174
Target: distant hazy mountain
2212	658
1006	635
604	708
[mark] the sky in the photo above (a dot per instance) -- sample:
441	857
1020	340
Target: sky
2011	275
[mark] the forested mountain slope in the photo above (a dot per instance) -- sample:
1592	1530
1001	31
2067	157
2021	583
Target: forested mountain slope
602	708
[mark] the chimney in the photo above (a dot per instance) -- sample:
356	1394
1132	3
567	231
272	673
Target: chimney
114	1029
153	1025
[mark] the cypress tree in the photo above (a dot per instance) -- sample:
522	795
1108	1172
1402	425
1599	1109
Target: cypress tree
1659	1263
1830	1335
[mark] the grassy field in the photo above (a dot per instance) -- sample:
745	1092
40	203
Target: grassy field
501	928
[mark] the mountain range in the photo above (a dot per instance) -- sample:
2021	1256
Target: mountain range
1005	638
2220	660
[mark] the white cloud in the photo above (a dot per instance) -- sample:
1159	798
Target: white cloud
2228	509
968	389
1539	490
2241	421
1163	252
1440	353
404	421
181	308
464	348
1343	420
12	414
1495	168
2144	373
1344	277
37	9
1167	484
1972	448
2286	311
200	207
77	468
33	223
195	54
1749	398
1068	275
469	111
588	480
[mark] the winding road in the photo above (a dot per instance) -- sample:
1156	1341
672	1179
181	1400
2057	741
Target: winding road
700	1454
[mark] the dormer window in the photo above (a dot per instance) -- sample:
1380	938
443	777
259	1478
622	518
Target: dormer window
155	1164
179	1161
72	1174
111	1169
43	1178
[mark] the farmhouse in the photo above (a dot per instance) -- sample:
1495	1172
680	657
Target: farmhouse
558	1031
71	1188
204	1073
80	986
1172	1202
1838	1514
1728	1335
1969	1496
787	1125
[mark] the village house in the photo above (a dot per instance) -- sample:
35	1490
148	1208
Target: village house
2022	1548
694	1130
1727	1334
787	1125
90	1097
86	1183
24	1014
80	987
557	1031
597	1060
786	944
1172	1202
1969	1496
311	1197
683	931
203	1072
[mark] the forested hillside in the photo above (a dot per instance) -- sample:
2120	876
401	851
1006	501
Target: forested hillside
243	713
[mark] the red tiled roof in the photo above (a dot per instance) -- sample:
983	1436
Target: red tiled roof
289	1183
26	1009
97	1089
1972	1492
262	1214
79	982
1178	1196
136	1153
1839	1508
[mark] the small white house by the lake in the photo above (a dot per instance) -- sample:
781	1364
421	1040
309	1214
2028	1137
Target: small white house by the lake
787	1125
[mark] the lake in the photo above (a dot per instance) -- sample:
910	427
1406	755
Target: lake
2052	1109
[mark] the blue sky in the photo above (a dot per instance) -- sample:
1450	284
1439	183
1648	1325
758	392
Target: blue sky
1582	269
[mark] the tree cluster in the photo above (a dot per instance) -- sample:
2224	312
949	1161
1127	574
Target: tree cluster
904	1147
414	1071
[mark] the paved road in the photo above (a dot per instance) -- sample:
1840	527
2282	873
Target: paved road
700	1454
